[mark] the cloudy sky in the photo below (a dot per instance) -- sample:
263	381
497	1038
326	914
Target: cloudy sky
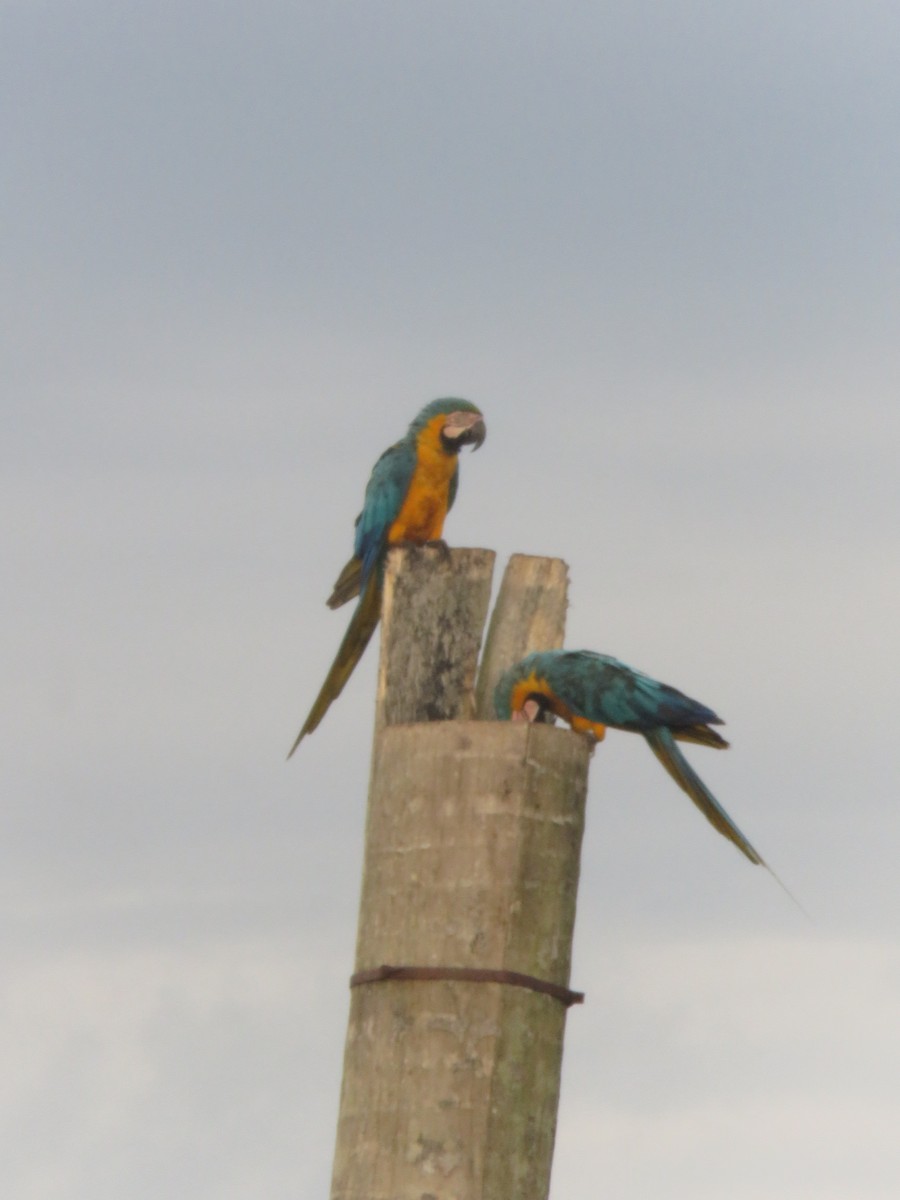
242	244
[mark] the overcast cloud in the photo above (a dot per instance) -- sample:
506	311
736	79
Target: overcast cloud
242	244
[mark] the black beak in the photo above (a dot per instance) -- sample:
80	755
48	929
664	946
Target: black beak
475	435
464	429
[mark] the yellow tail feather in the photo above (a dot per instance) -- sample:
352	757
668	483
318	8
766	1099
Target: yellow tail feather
359	631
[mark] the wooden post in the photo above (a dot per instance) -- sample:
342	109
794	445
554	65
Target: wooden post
451	1069
432	617
530	614
451	1087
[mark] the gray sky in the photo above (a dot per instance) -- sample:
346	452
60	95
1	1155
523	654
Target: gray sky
242	244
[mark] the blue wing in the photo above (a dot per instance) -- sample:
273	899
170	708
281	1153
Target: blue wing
454	487
385	493
605	690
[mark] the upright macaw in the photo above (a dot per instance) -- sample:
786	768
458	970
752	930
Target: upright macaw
410	491
592	691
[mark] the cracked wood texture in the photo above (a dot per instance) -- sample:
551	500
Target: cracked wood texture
473	841
432	617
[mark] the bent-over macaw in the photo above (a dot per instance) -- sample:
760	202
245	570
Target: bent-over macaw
411	489
591	691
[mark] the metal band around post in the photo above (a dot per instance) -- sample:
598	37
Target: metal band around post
468	975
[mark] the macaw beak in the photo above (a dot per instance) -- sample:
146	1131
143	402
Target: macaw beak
465	429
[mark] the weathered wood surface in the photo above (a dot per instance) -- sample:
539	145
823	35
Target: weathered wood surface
432	619
530	614
473	840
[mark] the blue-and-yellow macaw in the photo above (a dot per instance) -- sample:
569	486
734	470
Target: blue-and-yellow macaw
592	691
411	489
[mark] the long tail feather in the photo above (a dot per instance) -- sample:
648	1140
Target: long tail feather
663	746
662	743
359	631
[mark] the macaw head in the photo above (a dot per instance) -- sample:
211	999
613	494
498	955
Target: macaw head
522	694
457	423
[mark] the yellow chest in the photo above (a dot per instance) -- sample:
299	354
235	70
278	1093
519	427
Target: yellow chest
421	516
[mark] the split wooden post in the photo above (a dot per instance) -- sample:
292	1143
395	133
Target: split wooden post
432	617
530	614
451	1069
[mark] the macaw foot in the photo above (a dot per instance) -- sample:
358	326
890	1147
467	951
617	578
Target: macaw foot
436	544
592	730
441	546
